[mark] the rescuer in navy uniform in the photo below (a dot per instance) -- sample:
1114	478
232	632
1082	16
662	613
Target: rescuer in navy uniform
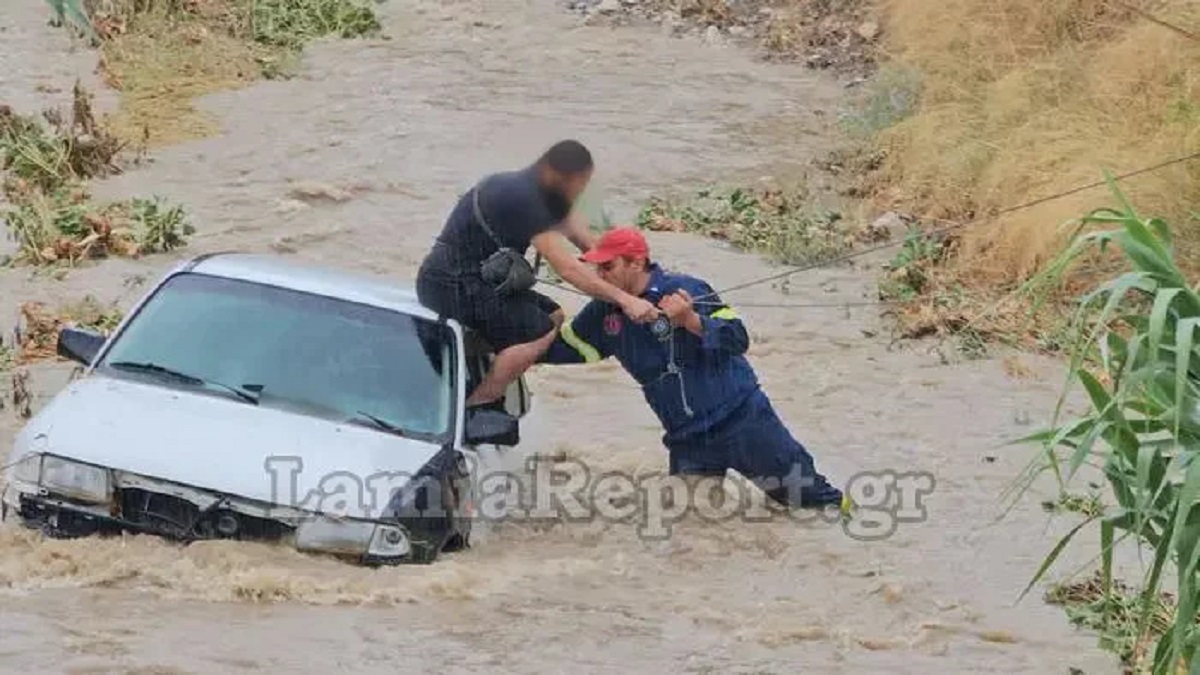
694	374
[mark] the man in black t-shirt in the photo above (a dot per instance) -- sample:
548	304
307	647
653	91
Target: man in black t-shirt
530	206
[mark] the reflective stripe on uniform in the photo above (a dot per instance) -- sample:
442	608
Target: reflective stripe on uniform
588	352
724	313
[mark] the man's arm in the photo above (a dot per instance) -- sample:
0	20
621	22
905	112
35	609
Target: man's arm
577	230
719	328
579	275
580	340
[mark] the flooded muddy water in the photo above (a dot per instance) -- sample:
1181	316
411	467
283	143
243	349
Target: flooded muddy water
393	130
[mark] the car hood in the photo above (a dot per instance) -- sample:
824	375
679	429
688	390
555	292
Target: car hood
212	443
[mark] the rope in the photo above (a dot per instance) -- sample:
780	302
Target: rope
768	305
891	244
772	305
955	226
797	305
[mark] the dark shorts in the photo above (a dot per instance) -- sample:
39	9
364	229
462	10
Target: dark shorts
504	320
754	442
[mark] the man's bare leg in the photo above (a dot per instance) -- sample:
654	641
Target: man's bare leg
508	366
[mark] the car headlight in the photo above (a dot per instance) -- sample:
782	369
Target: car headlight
352	537
389	541
73	480
28	470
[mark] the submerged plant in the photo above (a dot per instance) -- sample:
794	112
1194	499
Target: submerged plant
294	23
50	212
783	224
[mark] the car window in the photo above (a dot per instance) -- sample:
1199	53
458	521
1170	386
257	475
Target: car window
310	354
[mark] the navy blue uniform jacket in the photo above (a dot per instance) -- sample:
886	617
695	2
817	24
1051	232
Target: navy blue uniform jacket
716	377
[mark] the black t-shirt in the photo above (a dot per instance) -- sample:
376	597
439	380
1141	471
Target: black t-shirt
516	209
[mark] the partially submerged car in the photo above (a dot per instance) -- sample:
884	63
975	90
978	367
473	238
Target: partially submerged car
251	397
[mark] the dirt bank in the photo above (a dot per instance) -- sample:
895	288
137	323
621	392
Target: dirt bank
987	106
463	88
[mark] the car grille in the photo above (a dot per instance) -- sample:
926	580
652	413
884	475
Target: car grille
178	518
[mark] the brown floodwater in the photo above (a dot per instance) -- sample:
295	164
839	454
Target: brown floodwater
398	127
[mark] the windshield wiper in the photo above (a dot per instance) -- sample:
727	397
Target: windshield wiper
380	424
185	377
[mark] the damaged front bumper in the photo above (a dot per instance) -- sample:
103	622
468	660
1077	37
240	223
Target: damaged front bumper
67	499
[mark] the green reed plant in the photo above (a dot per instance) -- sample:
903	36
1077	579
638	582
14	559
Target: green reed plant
1138	359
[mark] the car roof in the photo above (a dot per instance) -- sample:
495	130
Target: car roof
276	270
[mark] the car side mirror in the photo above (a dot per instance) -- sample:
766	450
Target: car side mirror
486	426
79	344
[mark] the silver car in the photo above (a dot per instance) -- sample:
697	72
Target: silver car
252	397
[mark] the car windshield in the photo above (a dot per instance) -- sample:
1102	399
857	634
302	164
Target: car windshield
292	350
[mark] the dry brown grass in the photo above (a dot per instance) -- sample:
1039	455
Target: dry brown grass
1025	98
162	57
162	54
161	60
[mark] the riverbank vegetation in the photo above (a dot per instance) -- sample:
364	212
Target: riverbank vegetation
162	54
1138	360
983	106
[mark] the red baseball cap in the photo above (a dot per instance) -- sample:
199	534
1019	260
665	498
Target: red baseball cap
618	242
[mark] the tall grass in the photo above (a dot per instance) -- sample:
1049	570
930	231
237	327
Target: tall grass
1138	359
1024	98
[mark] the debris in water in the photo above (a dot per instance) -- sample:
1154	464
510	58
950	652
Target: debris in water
20	393
875	644
792	636
310	191
290	206
892	593
37	331
998	636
